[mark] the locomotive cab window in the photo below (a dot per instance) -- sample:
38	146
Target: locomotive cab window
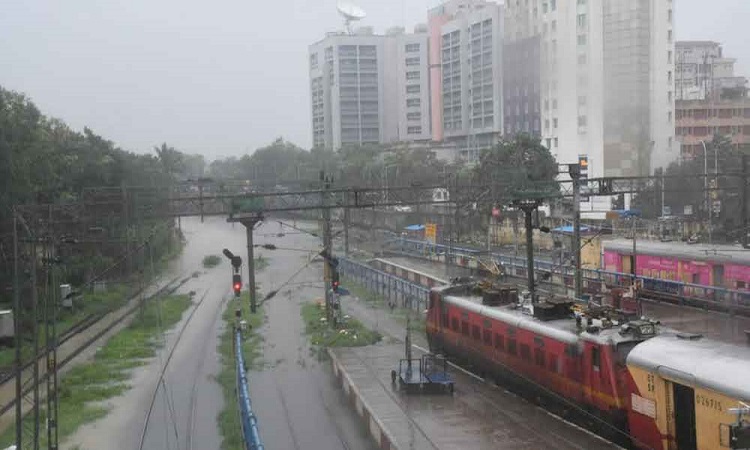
487	336
512	346
596	358
499	341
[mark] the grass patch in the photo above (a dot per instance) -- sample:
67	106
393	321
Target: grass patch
211	261
418	323
229	419
83	389
350	333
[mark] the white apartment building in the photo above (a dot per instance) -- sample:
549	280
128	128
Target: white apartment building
368	88
606	89
471	54
702	71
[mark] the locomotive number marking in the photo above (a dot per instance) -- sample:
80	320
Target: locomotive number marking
650	381
708	402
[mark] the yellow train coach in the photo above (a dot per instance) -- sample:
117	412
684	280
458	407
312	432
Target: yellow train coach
689	393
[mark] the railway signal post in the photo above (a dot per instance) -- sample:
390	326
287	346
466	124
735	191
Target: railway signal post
249	220
528	207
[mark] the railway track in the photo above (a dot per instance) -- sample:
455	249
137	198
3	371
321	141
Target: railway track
8	375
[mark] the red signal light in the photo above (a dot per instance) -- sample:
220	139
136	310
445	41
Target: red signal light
237	287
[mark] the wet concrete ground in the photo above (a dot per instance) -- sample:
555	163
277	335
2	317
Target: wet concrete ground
715	325
479	415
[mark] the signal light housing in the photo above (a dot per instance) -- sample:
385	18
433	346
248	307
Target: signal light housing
237	284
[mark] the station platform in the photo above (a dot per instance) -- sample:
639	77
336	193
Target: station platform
477	415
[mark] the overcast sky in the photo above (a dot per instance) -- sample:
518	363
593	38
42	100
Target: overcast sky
219	77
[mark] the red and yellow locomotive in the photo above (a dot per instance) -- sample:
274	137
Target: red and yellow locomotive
592	364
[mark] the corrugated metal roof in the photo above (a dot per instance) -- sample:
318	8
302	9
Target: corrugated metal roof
723	368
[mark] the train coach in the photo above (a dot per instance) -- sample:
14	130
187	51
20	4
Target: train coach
628	381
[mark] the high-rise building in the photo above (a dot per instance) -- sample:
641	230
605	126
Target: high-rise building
702	71
605	83
465	63
368	88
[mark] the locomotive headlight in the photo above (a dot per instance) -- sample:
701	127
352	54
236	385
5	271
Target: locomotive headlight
647	329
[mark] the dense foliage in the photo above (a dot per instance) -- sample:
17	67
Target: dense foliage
684	186
43	160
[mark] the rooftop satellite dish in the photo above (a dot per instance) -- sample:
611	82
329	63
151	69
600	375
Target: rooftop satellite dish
350	12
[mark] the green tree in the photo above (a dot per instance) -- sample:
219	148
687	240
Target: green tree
515	168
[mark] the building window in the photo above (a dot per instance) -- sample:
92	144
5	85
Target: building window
414	116
669	76
549	143
413	102
546	105
554	26
555	142
552	5
581	39
544	7
669	116
546	124
669	96
554	106
412	75
554	123
410	48
669	36
669	57
581	21
581	2
413	89
581	100
414	61
581	121
669	16
314	61
582	60
414	130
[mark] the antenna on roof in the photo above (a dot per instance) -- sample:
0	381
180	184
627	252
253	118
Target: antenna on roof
350	12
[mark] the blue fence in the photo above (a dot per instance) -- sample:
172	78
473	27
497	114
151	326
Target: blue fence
592	278
390	287
250	433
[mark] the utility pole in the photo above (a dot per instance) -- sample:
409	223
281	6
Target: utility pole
347	219
528	208
249	220
17	333
35	328
743	199
327	247
576	173
577	236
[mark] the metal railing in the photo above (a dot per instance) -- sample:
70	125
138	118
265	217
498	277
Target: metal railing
392	288
681	292
250	434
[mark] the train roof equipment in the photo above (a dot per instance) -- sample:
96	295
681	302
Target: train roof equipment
696	361
554	317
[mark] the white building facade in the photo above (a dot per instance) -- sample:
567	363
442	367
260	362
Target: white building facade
369	89
602	60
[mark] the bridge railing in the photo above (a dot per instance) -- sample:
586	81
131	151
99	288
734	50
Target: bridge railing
392	288
250	434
